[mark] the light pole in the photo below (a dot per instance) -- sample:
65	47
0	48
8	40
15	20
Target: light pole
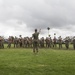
48	30
54	35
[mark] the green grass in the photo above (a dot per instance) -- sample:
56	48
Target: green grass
21	61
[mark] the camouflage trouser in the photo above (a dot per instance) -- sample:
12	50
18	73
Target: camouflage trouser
15	44
67	46
35	45
41	44
54	44
9	44
1	44
20	44
47	44
60	45
27	44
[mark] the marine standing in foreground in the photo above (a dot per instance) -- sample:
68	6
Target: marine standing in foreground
35	41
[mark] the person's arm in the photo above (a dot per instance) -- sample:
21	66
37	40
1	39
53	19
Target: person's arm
39	30
32	35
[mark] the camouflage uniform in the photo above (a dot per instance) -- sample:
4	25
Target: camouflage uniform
1	42
67	43
25	42
60	42
20	40
54	42
9	42
50	42
30	42
47	42
35	41
42	42
16	41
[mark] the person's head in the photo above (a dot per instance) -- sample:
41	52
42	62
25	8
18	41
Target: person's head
35	30
20	35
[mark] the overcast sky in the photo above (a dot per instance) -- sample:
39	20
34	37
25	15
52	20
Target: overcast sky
23	16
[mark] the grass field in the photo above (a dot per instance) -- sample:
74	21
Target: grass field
22	61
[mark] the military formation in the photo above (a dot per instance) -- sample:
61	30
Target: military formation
35	43
25	42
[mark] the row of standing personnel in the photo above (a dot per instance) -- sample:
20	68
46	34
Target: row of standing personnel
29	42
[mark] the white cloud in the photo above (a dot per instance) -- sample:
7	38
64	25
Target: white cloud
14	28
23	16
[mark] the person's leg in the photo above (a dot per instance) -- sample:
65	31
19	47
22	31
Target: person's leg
34	47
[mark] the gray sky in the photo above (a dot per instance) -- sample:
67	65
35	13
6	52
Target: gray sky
23	16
